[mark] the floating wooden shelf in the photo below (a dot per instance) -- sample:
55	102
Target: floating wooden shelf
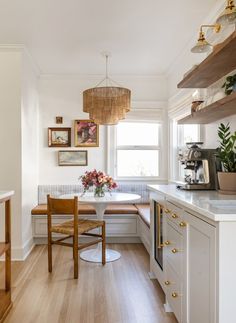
218	110
4	247
219	63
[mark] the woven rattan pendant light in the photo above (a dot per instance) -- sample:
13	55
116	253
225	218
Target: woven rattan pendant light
106	104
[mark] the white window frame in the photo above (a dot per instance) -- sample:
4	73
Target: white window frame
112	150
178	140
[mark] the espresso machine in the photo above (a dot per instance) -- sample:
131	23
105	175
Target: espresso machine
200	167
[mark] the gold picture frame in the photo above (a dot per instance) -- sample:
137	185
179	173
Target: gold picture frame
72	158
59	137
86	133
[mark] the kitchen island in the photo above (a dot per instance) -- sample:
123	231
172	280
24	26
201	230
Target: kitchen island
193	252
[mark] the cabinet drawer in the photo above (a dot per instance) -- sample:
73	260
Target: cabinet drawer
174	248
174	291
175	215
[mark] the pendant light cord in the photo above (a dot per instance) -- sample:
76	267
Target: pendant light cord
107	78
106	69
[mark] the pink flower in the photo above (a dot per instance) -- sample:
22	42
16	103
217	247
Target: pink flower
97	179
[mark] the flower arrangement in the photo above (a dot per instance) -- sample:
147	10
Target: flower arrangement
100	180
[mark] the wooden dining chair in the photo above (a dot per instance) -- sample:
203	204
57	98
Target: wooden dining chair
72	229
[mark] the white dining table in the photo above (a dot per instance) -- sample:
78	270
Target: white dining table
100	204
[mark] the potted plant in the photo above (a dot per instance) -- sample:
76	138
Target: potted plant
230	84
227	156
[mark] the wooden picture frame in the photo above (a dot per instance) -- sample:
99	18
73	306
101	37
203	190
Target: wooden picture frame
59	137
86	133
72	158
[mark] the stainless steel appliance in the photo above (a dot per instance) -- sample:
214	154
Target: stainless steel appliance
199	167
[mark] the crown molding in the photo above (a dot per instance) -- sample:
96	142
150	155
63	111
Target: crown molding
23	49
52	76
149	105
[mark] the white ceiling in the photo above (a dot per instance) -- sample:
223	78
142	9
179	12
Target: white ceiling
67	36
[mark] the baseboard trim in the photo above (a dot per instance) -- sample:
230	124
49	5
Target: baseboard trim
20	254
43	240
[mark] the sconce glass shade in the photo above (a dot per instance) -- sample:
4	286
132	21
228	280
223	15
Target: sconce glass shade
202	46
228	16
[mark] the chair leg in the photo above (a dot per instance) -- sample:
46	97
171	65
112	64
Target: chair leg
73	248
104	243
50	252
76	258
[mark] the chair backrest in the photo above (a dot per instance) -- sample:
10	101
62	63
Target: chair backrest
62	206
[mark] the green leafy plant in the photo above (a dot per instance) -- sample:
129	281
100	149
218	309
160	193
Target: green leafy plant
229	84
227	150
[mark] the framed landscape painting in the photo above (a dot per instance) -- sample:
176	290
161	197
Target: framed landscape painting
72	158
86	133
59	137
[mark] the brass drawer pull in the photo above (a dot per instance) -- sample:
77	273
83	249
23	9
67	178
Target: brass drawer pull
167	243
182	224
174	295
174	250
174	216
167	283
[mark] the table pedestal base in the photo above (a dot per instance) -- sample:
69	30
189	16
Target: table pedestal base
95	255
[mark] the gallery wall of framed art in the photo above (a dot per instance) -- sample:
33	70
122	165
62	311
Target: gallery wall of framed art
86	134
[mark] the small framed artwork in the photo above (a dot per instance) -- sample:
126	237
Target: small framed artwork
59	120
86	133
72	158
59	137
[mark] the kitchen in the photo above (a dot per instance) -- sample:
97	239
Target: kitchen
156	165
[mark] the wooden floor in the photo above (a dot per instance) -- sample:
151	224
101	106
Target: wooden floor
119	292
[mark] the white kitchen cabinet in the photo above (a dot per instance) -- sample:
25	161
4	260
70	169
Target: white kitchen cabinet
205	282
189	264
201	270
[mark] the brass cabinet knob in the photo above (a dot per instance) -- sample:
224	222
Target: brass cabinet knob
182	224
174	216
167	282
167	243
174	295
167	211
174	250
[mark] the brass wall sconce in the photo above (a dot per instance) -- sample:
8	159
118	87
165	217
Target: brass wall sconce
202	45
228	16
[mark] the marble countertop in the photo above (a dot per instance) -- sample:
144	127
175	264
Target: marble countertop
210	204
5	194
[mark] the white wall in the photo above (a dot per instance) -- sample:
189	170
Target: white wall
29	145
18	144
10	134
62	96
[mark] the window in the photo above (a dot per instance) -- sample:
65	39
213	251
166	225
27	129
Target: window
186	133
137	150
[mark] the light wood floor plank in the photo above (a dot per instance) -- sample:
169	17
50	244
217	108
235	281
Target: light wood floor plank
119	292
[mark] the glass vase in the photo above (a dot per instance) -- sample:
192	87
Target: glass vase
99	192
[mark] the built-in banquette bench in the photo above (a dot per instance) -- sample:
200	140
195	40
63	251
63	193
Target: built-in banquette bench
125	222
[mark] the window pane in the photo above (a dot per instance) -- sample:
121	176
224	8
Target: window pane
137	163
190	133
137	134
